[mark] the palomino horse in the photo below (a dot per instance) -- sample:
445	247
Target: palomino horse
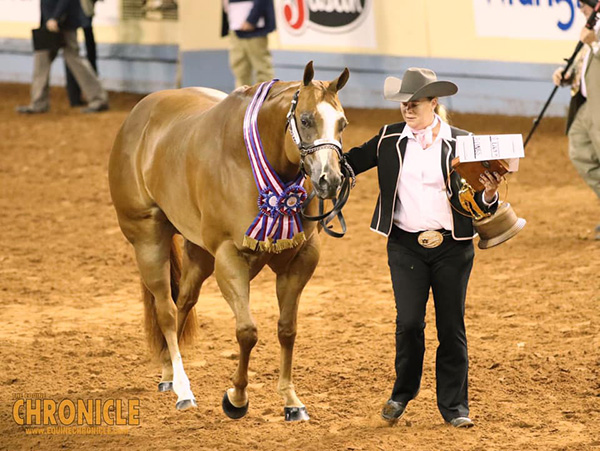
181	165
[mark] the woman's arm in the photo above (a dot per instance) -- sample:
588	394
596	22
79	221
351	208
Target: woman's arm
364	157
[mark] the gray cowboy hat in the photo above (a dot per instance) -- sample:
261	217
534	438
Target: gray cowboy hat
417	83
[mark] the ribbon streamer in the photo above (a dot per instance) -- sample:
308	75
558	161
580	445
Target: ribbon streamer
277	226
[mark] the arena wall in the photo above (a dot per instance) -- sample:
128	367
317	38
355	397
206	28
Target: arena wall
501	53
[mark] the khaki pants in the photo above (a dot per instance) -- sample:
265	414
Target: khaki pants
80	68
250	60
584	147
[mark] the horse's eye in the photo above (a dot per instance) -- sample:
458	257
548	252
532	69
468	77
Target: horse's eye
305	122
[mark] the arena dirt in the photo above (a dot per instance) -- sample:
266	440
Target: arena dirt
72	318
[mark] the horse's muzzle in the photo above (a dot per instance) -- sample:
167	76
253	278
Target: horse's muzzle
328	185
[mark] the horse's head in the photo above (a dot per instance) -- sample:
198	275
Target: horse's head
316	120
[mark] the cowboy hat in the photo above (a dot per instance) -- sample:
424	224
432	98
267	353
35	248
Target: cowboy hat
416	84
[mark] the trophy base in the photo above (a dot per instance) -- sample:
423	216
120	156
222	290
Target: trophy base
498	228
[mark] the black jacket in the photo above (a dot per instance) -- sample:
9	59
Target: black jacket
66	12
386	151
576	102
261	9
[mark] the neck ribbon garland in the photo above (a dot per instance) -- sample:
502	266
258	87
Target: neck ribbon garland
277	226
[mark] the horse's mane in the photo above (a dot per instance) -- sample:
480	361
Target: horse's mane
279	89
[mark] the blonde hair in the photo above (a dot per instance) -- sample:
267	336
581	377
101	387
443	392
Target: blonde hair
442	112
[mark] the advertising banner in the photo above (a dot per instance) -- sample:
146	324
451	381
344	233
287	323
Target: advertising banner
529	19
326	23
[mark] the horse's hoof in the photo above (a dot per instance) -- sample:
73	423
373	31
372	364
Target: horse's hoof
186	404
296	414
232	411
165	386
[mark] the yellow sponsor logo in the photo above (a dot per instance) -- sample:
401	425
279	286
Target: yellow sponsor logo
40	411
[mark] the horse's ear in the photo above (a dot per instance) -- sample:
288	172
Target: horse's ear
309	73
340	82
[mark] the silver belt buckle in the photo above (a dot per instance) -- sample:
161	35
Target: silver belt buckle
430	239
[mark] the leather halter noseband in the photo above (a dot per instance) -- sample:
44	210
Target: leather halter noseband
349	179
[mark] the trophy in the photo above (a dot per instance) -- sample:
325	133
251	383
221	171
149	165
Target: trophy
496	228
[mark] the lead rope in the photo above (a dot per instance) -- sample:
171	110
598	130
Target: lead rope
339	202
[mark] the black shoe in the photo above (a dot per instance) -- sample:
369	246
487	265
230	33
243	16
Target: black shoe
28	109
461	422
393	411
95	108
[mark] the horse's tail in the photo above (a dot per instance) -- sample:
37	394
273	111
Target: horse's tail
156	339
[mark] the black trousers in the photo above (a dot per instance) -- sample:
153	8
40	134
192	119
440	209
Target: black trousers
446	270
73	89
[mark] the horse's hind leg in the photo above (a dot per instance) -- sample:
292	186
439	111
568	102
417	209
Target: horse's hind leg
197	266
152	240
290	283
233	276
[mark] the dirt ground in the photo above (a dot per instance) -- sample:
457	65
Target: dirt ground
71	318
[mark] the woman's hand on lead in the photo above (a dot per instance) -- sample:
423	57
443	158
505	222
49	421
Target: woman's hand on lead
490	182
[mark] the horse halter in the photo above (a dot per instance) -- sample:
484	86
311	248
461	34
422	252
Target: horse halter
349	178
319	144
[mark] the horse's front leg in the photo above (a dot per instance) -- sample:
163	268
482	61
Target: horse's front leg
290	283
232	272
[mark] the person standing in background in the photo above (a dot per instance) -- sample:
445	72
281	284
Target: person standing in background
64	17
73	89
247	23
583	122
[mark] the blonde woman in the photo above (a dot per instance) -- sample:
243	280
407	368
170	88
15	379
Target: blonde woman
430	243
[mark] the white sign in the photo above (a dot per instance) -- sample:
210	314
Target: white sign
529	19
107	11
238	12
326	23
491	147
20	10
